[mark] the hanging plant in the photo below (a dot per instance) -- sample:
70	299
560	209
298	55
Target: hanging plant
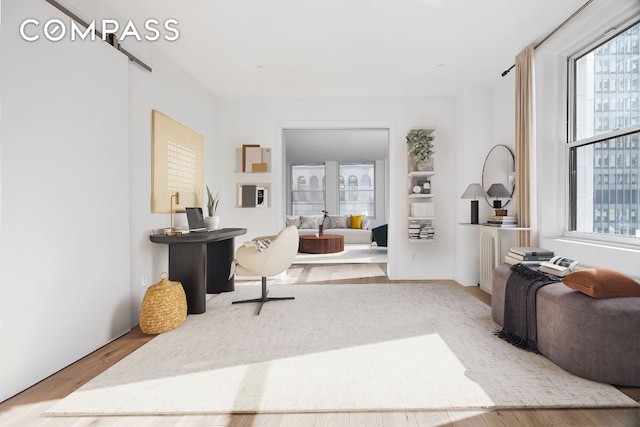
420	145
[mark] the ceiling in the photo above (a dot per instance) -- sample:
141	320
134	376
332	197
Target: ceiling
344	145
340	48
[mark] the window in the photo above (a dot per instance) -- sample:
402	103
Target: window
357	189
307	189
603	144
348	189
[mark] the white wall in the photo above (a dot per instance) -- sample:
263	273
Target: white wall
76	134
484	118
170	90
382	188
64	230
504	130
474	131
260	121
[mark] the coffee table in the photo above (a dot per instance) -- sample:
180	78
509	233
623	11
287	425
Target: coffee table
325	244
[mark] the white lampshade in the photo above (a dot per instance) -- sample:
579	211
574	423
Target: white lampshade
498	190
474	191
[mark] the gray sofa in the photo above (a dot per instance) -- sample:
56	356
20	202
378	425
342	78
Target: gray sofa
594	338
351	235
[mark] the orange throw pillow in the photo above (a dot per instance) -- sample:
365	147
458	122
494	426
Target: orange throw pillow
602	283
356	221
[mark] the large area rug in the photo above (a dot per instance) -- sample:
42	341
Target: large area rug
335	348
353	254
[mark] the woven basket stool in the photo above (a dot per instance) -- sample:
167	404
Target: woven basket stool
164	306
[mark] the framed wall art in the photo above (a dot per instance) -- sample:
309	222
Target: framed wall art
177	164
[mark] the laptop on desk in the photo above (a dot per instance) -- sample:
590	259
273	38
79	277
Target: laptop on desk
195	219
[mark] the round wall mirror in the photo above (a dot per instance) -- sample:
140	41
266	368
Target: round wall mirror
499	168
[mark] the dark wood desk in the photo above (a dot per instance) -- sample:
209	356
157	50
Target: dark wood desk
201	261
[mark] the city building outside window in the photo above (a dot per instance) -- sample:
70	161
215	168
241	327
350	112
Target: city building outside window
604	136
307	189
360	189
355	189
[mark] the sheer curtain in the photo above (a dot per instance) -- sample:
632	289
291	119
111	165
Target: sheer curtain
525	144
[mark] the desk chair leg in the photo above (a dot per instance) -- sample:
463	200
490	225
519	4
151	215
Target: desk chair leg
262	299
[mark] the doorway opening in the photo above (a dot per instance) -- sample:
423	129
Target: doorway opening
334	173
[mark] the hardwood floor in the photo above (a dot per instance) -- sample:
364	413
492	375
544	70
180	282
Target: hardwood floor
25	408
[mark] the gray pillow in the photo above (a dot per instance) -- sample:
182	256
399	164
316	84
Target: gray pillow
339	221
326	223
292	220
308	222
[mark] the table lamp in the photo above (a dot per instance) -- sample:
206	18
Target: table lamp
498	191
171	231
474	191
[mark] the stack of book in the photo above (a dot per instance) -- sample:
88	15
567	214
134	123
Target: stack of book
527	255
559	266
502	220
427	232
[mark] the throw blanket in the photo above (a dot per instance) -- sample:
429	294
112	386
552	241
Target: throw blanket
520	327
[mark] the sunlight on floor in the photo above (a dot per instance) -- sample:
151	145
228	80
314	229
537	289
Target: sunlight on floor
321	274
334	272
368	377
353	253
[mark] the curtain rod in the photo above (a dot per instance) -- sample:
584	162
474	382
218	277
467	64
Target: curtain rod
111	39
504	73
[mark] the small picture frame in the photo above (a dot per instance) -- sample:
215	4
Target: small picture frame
261	197
425	185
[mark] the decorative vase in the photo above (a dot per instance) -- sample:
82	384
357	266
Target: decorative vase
426	166
212	222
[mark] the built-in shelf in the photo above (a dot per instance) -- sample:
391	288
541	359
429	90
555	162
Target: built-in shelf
421	206
253	195
418	174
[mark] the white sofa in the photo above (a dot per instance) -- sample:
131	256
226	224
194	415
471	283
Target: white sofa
332	224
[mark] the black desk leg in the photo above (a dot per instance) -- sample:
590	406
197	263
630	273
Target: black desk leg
220	255
187	264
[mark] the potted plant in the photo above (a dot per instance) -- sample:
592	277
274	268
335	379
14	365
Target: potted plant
420	148
212	221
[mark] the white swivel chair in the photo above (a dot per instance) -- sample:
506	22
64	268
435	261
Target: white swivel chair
255	260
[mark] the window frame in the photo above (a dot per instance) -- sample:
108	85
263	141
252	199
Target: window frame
346	189
572	143
331	193
290	207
